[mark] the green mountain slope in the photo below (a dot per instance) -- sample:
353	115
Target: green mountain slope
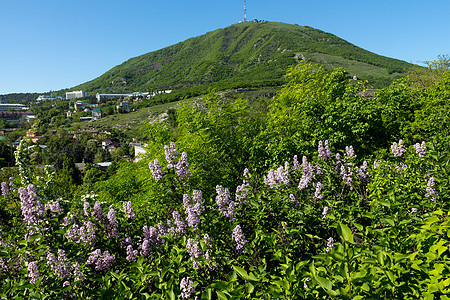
243	52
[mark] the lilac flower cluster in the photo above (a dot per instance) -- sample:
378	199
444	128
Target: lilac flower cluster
6	188
324	150
101	261
421	149
111	226
187	288
295	164
84	234
171	155
431	192
193	248
242	191
414	210
305	285
60	265
194	208
223	200
239	239
97	211
278	177
152	236
307	174
325	211
31	206
363	175
349	152
330	244
55	208
132	255
318	192
128	210
182	167
179	223
156	169
293	200
398	149
33	272
347	173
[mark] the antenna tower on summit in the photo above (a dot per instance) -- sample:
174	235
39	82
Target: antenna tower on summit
245	11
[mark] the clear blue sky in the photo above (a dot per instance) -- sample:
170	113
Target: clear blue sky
55	44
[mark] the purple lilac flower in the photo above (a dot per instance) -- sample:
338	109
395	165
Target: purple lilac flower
152	235
187	288
182	167
278	177
239	238
223	198
86	207
97	211
318	192
179	223
131	254
54	207
77	273
101	261
346	173
193	248
5	189
414	210
128	210
60	265
330	244
66	283
87	233
295	164
324	150
349	152
33	272
112	226
398	149
293	200
363	175
156	169
145	248
171	155
246	172
242	191
308	174
31	206
193	209
324	212
305	285
430	190
421	149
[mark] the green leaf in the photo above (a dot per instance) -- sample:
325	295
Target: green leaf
221	295
241	272
345	233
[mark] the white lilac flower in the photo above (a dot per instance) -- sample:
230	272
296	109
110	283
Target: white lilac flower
398	149
421	149
330	244
187	288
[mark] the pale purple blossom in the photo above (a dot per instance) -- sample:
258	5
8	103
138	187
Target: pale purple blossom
156	169
421	149
324	150
398	149
430	191
349	152
246	172
112	226
295	164
278	177
318	192
414	210
128	210
325	211
86	207
77	273
33	272
363	175
30	204
182	167
307	174
193	248
346	173
179	223
187	288
5	189
293	200
330	244
193	209
223	200
101	261
54	207
97	211
131	254
61	265
305	285
239	239
171	155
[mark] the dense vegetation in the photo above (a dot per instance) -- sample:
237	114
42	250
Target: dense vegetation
247	52
318	192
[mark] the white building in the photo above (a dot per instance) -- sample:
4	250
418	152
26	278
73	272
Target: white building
111	96
13	106
75	94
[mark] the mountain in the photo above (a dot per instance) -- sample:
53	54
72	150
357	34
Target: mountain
244	52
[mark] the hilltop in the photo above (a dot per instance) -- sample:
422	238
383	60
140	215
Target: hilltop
244	53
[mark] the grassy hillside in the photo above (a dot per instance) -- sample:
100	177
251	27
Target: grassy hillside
244	52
